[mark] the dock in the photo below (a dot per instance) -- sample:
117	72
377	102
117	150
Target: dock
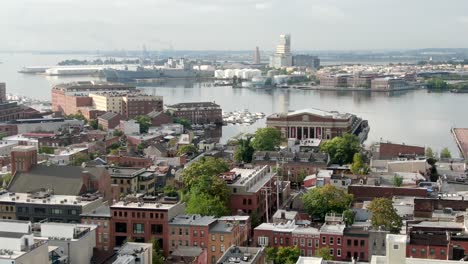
461	137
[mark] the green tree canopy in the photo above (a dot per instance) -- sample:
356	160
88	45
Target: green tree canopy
445	153
145	123
204	166
384	214
397	181
80	158
324	252
244	151
266	139
184	122
349	217
283	255
93	123
322	200
187	149
437	84
342	149
205	204
359	166
158	258
117	133
46	150
429	153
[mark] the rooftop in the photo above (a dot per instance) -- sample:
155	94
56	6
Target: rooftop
315	112
31	198
194	104
101	211
252	179
242	255
192	220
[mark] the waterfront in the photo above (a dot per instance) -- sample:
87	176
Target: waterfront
412	117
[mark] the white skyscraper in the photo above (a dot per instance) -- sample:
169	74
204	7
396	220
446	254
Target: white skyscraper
282	57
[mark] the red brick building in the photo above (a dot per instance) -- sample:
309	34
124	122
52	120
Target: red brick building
159	118
198	113
129	161
109	120
355	244
247	195
332	235
102	218
8	129
23	158
367	193
315	123
142	221
387	150
134	105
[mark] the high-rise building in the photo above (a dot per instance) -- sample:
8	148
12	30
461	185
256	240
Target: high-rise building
282	56
306	61
2	92
256	57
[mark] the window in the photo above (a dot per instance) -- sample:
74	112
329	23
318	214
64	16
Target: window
361	255
213	259
332	253
213	238
121	227
348	242
180	231
202	233
281	241
263	241
356	242
172	231
338	241
173	243
202	244
309	242
186	232
395	247
309	252
363	243
338	252
302	242
56	211
156	229
195	233
324	240
442	252
39	210
432	251
244	201
413	251
316	243
275	240
331	240
213	248
138	228
195	243
221	238
222	249
295	241
302	252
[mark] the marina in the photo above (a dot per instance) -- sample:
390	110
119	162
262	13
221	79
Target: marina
241	117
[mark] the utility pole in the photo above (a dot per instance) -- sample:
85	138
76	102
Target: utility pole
266	191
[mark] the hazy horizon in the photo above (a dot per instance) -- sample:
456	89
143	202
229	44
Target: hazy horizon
232	25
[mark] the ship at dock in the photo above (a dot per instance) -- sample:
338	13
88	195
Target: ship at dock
114	75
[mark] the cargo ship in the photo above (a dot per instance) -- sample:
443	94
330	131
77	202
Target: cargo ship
34	69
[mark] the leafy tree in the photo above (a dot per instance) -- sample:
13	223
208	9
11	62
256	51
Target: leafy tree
433	173
384	214
254	219
445	153
117	133
244	151
114	152
324	252
205	166
80	158
322	200
187	149
437	84
170	191
429	153
359	166
158	258
342	149
184	122
283	255
79	116
46	150
5	179
301	175
397	181
266	139
115	146
349	217
205	204
145	123
93	123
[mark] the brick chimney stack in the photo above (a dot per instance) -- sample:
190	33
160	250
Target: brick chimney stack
23	158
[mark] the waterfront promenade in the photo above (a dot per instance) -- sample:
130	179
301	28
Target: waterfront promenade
461	137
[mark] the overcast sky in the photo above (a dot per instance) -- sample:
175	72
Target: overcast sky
232	24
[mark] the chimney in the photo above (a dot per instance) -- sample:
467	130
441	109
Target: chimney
283	215
23	158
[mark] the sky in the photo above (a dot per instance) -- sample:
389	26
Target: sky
232	24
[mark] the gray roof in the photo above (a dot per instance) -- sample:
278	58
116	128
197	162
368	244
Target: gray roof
221	227
154	114
108	116
193	220
63	180
101	211
194	104
11	234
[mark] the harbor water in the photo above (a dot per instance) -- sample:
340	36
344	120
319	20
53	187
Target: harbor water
410	117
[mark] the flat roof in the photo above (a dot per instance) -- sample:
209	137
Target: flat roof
54	199
143	206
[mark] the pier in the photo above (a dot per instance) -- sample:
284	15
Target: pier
461	137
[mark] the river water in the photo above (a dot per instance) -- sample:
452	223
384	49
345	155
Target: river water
411	117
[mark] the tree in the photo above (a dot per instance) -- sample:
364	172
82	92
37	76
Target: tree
433	173
322	200
301	175
342	149
429	153
204	166
437	84
93	123
80	158
349	217
114	152
158	258
324	252
397	181
266	139
283	255
384	214
46	150
445	153
254	219
5	180
187	149
144	122
79	116
184	122
117	133
244	150
359	166
205	204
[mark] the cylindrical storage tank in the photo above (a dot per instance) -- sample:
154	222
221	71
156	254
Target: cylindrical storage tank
272	73
238	73
256	73
219	74
228	74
